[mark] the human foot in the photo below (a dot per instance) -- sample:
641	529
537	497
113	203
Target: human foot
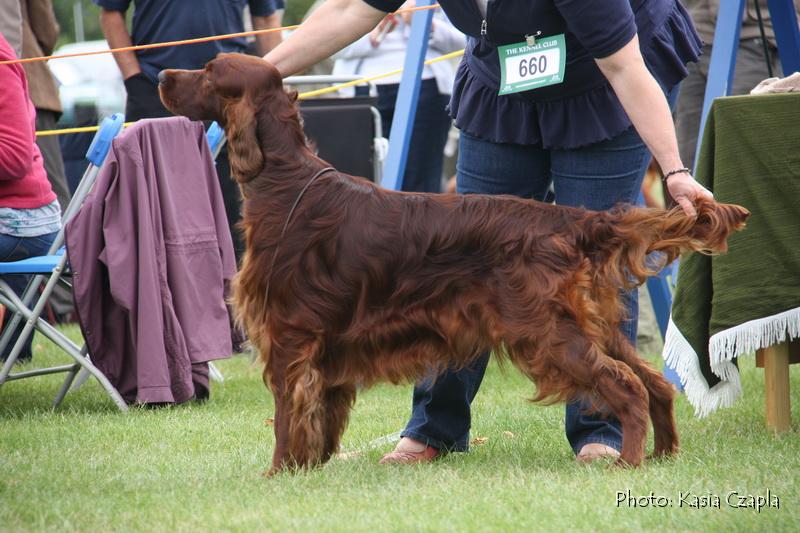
410	451
595	450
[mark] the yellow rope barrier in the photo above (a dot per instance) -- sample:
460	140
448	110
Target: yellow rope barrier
335	88
83	129
301	96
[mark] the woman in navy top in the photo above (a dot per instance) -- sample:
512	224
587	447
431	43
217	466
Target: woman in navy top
573	93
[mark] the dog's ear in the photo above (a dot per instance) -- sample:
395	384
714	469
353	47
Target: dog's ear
244	151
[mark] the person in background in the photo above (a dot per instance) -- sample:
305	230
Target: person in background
383	50
39	36
589	127
30	216
11	24
171	20
751	65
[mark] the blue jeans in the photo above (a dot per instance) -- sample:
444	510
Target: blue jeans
596	177
14	249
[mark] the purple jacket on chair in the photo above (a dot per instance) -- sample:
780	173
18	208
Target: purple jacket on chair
152	257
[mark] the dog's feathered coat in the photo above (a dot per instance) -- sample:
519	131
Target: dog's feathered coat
372	285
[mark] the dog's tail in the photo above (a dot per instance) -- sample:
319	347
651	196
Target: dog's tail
621	243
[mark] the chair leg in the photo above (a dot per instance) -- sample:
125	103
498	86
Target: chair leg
83	360
214	373
16	316
33	319
67	384
83	376
776	387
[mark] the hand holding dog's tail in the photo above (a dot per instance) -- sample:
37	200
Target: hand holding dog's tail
707	233
624	240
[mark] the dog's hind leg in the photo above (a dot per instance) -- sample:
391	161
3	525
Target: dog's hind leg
338	402
568	365
626	396
660	391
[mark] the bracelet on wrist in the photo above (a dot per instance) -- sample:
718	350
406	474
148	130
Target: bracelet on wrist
671	173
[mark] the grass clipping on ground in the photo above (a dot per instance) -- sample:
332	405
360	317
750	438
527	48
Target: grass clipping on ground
87	467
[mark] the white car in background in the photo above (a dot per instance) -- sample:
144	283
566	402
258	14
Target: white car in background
90	87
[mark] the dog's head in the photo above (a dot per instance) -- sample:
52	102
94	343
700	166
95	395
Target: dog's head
230	89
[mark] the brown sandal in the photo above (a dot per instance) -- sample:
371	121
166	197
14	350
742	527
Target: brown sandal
406	454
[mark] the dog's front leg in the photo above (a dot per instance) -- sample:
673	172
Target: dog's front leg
299	388
280	456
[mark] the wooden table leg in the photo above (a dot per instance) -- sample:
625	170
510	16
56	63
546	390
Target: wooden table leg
776	386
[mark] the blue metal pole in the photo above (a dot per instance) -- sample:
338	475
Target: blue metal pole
660	293
787	34
405	108
723	58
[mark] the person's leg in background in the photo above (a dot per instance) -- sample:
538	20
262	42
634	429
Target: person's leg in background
231	197
690	105
751	68
143	100
441	416
60	301
599	177
51	154
751	65
15	249
426	149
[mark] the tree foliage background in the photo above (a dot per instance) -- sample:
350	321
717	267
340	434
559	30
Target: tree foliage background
65	14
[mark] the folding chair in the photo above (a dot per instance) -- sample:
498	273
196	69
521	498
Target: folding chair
52	268
363	150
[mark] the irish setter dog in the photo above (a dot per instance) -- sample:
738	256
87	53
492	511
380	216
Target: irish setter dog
344	284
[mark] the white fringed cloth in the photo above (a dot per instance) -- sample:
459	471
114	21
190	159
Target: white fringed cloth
732	304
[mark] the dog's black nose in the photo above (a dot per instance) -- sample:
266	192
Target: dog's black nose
162	76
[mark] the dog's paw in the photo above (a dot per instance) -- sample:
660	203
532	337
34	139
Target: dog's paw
272	472
622	463
658	454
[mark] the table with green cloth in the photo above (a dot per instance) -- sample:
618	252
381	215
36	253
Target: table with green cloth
732	304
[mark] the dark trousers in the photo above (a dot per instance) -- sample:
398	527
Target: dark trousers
426	151
143	102
751	68
597	177
15	249
61	300
51	154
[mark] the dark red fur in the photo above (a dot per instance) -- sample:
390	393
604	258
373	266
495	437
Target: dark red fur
372	285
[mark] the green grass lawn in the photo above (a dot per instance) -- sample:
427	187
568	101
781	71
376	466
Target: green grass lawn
87	467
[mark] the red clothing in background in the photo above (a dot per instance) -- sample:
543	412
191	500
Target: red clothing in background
23	180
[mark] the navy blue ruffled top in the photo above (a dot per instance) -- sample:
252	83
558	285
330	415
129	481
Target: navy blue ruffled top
583	109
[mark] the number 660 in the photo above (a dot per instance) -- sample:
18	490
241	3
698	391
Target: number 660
533	66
